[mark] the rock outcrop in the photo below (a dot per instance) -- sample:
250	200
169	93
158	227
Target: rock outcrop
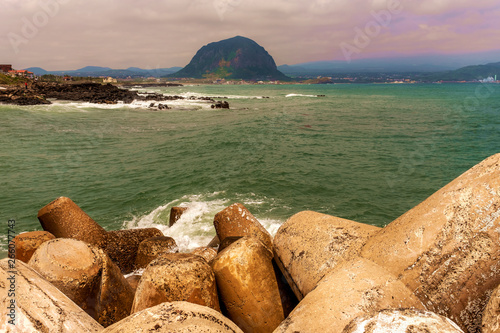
233	58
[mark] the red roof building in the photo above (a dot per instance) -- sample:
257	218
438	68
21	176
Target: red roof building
5	68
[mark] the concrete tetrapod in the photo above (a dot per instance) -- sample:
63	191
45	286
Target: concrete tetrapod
178	317
87	276
402	321
152	248
39	306
309	245
237	221
354	288
491	316
447	249
207	253
64	219
27	243
248	286
176	277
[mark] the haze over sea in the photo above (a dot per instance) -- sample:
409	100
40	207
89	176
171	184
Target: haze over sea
367	153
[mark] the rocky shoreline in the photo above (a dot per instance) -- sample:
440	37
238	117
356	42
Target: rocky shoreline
434	269
42	92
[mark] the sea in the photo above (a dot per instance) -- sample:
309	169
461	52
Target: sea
364	152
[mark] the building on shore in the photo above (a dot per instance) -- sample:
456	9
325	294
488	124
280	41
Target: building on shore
22	73
109	79
5	68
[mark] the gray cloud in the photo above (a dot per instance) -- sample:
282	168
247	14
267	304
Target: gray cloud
69	34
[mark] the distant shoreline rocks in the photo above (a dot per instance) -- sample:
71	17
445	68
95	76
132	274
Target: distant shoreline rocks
435	268
42	92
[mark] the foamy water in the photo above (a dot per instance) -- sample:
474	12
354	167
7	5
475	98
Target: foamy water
367	153
195	226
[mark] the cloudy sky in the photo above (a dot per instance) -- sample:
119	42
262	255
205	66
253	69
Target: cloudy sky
70	34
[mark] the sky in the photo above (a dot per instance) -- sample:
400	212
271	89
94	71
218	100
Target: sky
70	34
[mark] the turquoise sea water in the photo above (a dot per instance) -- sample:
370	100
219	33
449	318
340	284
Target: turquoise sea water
363	152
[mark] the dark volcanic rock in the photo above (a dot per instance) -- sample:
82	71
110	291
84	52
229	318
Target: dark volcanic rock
21	96
86	92
233	58
220	105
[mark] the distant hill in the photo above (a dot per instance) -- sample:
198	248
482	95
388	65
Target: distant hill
95	71
37	70
425	63
468	73
92	69
233	58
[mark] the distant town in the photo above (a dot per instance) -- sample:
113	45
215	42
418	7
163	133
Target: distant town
10	75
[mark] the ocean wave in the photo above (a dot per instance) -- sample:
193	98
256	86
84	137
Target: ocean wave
300	95
195	226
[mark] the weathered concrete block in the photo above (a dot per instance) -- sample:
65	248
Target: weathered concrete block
64	219
175	317
236	220
175	214
402	321
73	266
115	296
133	281
40	306
26	243
309	245
207	253
123	245
176	277
354	288
248	286
447	249
491	315
87	276
151	248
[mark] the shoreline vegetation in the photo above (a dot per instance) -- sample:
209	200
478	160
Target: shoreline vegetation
433	269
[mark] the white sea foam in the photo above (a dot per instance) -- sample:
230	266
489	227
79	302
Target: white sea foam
300	95
176	104
195	226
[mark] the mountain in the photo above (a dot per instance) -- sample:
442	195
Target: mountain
468	73
95	71
37	70
92	69
394	64
233	58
